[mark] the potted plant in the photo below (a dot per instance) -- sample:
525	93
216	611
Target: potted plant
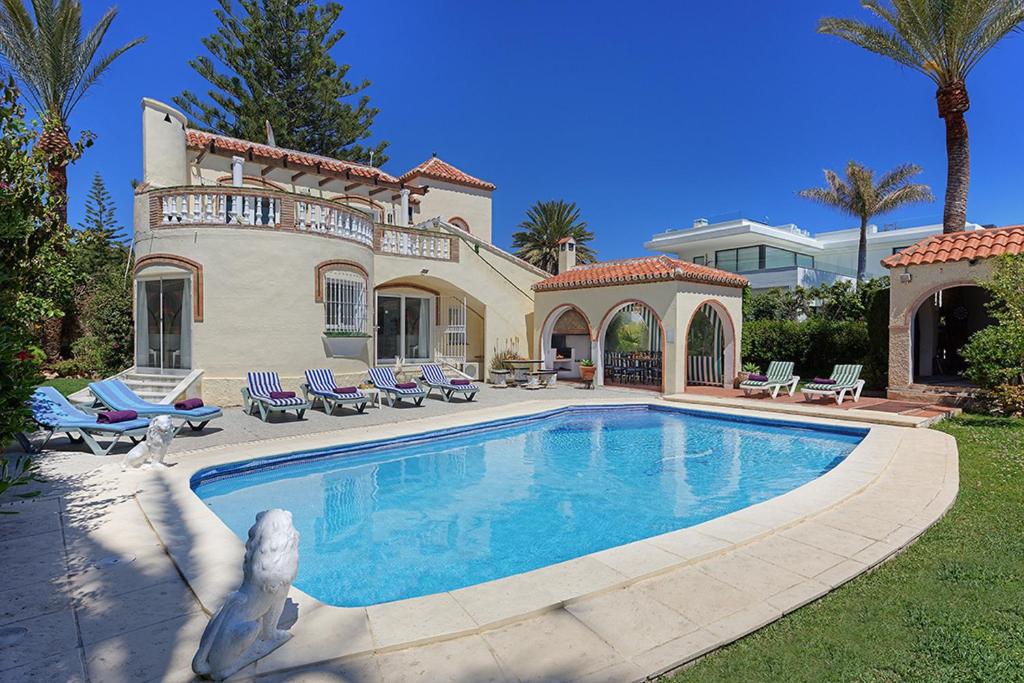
345	343
587	370
744	374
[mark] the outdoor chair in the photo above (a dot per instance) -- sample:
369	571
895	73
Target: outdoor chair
434	378
384	379
847	380
779	376
264	394
53	412
116	395
320	386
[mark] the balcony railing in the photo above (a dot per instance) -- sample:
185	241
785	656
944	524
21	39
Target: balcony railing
416	243
258	208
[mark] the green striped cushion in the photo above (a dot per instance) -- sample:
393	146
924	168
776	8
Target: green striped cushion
753	383
846	377
780	371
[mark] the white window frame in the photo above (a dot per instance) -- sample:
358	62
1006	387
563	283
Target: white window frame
346	302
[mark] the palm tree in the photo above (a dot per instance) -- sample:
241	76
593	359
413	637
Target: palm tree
859	196
546	223
944	40
56	66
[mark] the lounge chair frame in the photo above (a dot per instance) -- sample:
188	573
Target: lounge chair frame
432	376
104	393
265	405
329	399
384	380
780	376
847	382
86	433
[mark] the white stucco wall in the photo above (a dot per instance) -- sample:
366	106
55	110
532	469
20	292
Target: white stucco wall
448	201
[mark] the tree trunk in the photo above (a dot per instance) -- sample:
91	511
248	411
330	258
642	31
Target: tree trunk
958	173
953	102
55	143
862	251
57	173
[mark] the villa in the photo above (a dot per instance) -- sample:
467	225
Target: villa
772	256
251	256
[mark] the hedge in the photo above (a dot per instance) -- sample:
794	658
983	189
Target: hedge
814	345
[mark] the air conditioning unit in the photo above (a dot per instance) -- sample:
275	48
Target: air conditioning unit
472	368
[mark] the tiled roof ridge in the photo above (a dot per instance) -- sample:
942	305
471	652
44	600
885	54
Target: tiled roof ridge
439	169
200	138
962	245
635	270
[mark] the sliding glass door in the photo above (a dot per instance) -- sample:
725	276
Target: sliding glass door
403	327
162	324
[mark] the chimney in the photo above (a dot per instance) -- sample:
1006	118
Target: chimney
566	254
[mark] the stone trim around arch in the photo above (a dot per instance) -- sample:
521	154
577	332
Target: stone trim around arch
175	261
730	343
560	309
602	330
460	223
324	267
907	315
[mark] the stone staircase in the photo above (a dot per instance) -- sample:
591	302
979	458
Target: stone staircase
150	386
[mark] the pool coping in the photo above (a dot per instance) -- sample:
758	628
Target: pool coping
208	555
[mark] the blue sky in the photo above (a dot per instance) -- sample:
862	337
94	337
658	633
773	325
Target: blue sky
647	115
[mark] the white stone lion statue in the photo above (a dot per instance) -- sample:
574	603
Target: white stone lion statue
154	449
245	628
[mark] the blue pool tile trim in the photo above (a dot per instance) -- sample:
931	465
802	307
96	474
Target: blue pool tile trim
272	462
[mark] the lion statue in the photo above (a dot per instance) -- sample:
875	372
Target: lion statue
245	628
154	449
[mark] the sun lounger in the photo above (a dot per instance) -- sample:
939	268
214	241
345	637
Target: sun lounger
384	379
53	412
320	386
434	378
115	394
847	380
780	376
259	396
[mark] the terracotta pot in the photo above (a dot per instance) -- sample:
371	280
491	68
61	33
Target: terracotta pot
587	372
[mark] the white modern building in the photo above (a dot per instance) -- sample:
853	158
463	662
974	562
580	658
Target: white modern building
785	255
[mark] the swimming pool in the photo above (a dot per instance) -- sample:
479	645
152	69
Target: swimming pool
403	518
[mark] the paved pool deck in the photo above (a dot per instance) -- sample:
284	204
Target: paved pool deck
113	575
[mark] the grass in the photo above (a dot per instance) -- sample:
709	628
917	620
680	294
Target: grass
950	608
66	385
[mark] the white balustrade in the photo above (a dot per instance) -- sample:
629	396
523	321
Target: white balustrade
212	208
426	245
333	220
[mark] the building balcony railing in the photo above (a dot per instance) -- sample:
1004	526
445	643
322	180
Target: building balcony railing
258	208
416	243
229	206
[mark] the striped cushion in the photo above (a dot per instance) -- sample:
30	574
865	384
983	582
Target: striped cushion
433	374
846	377
321	382
384	378
780	371
262	383
754	383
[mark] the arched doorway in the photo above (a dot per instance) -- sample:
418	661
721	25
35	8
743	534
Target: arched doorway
710	341
566	340
942	325
632	347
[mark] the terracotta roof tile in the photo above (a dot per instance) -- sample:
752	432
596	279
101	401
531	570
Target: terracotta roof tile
965	245
441	170
638	271
198	139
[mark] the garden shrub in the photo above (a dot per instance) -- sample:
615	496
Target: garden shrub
876	362
814	345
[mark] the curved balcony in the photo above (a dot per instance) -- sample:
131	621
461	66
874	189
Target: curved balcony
257	208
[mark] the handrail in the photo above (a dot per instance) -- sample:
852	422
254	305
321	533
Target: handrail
414	242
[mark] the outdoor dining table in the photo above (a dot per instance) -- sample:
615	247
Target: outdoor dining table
520	368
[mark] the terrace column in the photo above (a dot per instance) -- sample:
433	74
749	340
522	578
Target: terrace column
236	171
405	207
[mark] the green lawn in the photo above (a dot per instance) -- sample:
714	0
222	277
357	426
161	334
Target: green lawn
66	385
950	608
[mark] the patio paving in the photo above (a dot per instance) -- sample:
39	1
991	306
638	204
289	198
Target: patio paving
100	599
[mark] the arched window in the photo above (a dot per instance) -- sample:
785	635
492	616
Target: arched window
345	302
459	223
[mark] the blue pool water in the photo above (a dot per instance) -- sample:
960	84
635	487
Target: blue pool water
401	519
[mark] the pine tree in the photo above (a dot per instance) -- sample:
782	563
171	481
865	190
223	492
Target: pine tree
96	243
280	70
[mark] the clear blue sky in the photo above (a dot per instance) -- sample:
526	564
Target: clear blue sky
646	114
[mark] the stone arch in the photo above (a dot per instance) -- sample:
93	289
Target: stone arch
602	330
460	223
726	345
944	342
180	262
547	330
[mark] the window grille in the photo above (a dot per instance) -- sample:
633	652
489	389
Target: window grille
345	302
